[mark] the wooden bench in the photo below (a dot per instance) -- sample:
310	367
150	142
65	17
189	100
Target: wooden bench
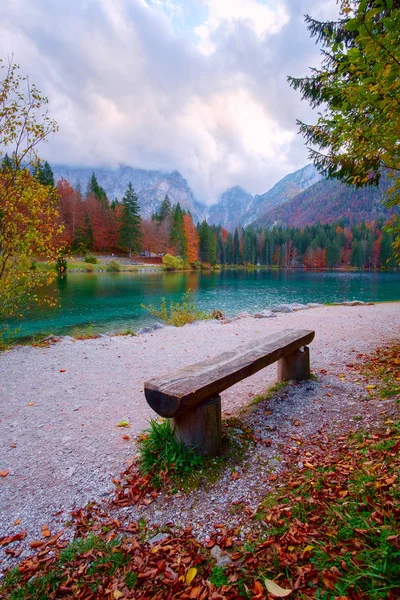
191	398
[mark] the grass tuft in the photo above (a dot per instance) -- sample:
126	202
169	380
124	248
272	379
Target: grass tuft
178	313
163	457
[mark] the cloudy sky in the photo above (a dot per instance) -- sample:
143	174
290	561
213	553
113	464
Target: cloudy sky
194	85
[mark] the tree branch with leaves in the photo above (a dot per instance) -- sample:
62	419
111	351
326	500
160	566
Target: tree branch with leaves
28	208
357	134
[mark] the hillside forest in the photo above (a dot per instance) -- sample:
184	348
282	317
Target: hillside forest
92	223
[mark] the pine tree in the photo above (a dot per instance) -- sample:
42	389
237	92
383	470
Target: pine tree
164	212
44	174
177	235
7	163
236	248
95	189
212	246
229	249
356	137
130	233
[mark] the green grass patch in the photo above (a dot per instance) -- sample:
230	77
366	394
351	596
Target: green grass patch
270	393
164	457
218	576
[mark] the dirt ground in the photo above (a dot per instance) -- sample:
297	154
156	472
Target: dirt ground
60	407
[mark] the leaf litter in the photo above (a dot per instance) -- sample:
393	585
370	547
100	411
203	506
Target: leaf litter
327	526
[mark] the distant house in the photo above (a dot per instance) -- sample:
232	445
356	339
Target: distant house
148	254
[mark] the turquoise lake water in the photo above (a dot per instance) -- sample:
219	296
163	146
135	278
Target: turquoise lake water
112	302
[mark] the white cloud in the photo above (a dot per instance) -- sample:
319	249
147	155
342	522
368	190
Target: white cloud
260	17
128	84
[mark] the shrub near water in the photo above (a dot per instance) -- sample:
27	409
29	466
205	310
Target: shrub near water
90	258
174	263
178	313
113	267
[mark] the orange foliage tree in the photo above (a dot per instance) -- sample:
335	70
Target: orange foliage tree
192	238
28	208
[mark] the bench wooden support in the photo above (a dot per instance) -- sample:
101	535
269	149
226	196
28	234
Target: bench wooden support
295	366
191	395
201	428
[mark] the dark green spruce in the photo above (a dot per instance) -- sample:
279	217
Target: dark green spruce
130	232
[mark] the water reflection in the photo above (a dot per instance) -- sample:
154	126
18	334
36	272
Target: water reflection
113	302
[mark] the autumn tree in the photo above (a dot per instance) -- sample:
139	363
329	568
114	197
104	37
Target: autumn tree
192	238
130	232
28	209
357	88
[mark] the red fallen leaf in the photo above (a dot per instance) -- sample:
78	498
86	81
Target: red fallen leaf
148	573
170	574
229	542
267	442
195	592
17	522
53	540
126	437
258	588
62	370
4	541
211	544
14	553
236	555
37	544
4	473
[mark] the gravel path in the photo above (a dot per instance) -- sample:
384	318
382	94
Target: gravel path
60	406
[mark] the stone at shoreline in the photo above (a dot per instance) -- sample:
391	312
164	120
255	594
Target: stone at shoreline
151	329
282	308
315	304
265	314
353	303
52	338
242	315
298	306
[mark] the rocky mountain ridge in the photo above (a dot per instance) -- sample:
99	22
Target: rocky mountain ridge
300	198
150	186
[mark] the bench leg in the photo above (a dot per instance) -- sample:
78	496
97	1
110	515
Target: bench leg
200	428
295	366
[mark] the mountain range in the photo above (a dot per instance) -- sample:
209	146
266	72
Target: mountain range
150	186
301	198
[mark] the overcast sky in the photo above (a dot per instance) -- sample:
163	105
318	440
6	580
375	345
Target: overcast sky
193	85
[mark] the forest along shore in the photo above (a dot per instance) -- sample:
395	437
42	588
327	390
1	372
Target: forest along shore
60	406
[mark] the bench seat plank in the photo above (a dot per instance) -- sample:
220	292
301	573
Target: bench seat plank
171	395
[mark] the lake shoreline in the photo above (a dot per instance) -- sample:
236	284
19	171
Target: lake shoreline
92	303
50	338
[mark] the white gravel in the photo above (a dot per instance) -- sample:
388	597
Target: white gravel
60	406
